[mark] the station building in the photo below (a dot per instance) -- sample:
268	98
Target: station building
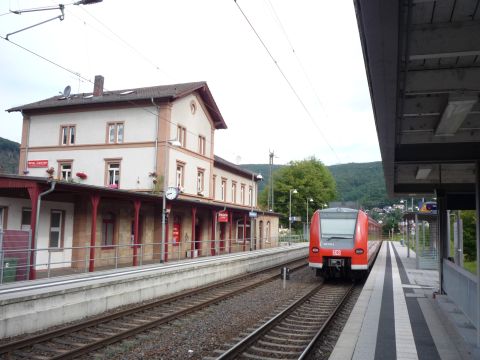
97	164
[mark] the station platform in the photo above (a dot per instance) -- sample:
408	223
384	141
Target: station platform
399	315
26	307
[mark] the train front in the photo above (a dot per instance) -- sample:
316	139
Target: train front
338	242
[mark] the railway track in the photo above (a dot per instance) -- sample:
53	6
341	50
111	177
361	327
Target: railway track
85	337
292	333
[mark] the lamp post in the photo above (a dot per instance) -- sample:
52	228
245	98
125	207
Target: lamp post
292	191
173	142
308	200
258	177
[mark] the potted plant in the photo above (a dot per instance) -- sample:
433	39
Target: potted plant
81	175
50	172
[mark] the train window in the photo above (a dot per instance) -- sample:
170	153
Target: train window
338	229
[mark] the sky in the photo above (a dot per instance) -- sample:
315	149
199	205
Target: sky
287	76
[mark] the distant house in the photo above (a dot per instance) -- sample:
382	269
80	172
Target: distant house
110	153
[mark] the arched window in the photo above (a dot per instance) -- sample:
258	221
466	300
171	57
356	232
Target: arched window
108	229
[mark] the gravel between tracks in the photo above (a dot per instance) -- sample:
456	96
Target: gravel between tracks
198	335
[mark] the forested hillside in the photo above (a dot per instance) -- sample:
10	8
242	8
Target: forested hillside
358	182
9	151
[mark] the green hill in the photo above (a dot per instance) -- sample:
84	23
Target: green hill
359	182
9	152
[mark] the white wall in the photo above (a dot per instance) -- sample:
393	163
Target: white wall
240	180
136	163
196	124
91	126
15	207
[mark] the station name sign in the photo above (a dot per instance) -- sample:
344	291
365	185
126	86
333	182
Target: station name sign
222	216
37	163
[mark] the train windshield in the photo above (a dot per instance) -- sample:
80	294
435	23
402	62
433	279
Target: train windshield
338	229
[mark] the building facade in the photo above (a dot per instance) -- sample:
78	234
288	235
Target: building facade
110	156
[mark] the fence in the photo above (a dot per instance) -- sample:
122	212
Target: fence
15	254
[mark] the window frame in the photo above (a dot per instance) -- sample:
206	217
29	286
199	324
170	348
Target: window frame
180	180
108	163
61	163
200	181
234	191
250	196
116	126
202	145
223	189
22	224
69	130
104	237
242	194
182	135
61	230
214	181
3	217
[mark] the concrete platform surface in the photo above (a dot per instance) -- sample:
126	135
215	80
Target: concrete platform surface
399	315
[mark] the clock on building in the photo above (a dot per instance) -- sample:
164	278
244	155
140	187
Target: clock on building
171	193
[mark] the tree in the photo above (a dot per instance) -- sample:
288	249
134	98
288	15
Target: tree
469	235
311	179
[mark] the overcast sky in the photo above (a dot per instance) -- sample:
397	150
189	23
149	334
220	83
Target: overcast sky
139	43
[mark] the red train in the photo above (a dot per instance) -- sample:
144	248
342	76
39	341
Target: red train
343	242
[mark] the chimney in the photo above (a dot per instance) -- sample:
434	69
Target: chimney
98	86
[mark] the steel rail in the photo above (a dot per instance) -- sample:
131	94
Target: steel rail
239	348
67	330
309	347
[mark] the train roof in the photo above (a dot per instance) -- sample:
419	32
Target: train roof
338	209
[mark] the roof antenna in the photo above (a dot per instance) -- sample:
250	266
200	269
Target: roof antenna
66	93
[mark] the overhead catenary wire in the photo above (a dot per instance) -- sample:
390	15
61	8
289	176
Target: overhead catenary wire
300	63
310	116
77	74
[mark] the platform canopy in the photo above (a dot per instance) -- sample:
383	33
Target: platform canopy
423	68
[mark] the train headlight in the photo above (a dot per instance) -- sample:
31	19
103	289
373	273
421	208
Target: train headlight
315	250
359	251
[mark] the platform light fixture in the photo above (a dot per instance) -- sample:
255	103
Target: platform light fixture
454	114
292	191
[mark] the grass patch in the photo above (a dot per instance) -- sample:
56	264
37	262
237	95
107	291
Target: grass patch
470	266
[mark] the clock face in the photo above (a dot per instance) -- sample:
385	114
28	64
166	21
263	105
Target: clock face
171	193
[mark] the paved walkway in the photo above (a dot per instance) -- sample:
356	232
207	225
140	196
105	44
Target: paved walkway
397	315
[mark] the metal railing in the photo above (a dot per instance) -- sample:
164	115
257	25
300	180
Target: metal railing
52	262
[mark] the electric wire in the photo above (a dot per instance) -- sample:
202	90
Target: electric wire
80	76
147	59
310	116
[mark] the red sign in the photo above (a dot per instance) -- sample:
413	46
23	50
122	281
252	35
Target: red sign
176	234
37	163
222	216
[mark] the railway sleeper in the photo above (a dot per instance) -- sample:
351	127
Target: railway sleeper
27	355
288	330
288	346
66	342
273	338
88	337
285	333
281	353
49	349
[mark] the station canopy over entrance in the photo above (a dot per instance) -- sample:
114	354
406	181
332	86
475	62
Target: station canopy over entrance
423	68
